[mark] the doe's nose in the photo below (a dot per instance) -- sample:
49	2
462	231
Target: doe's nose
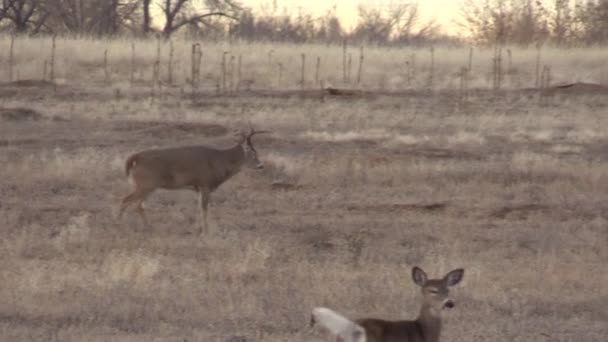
449	304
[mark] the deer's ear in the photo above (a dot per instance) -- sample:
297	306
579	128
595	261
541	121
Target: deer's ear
454	277
419	276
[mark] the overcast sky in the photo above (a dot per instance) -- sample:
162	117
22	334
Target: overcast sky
444	11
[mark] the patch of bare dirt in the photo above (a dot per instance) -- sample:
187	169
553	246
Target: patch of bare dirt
518	212
164	128
29	84
581	88
391	207
283	186
20	114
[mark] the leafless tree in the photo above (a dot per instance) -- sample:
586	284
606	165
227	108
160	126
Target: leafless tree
395	22
520	22
24	15
97	17
179	13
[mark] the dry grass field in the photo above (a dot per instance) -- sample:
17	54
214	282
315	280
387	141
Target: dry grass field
511	186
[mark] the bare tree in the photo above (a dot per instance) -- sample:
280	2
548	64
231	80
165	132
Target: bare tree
397	21
25	15
592	20
505	21
561	22
146	19
179	13
98	17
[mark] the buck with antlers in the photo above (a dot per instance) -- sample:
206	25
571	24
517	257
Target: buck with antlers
199	168
426	328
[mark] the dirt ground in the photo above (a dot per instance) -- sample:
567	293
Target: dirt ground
358	189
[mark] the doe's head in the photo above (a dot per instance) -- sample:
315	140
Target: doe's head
436	291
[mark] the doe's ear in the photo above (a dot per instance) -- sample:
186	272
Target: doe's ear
419	276
454	277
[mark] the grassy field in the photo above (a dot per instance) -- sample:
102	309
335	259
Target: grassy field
513	187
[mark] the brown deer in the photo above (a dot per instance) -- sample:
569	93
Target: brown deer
426	328
199	168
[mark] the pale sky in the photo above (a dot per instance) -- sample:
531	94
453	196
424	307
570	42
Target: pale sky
444	11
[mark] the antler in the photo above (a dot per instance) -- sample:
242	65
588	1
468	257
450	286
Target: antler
253	132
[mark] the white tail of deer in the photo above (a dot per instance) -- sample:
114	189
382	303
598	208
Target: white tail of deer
199	168
426	328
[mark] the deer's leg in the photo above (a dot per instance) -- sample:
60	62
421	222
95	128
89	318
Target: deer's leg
204	203
142	213
126	201
139	196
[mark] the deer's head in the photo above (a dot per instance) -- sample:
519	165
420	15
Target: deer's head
436	291
251	154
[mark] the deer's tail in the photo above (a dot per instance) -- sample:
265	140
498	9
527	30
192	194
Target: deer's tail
131	161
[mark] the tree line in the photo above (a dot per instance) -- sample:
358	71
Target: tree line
523	22
526	22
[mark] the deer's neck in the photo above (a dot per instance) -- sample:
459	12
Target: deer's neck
237	156
430	322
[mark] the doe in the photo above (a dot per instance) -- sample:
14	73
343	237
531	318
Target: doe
199	168
426	328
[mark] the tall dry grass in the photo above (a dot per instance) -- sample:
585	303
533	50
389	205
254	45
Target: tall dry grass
81	60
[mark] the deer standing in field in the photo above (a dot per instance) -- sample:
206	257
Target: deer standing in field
199	168
426	328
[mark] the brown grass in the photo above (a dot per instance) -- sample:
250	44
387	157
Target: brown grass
355	193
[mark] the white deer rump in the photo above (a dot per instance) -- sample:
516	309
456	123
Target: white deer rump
340	326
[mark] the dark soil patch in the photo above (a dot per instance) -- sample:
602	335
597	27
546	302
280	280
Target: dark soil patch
285	186
169	128
20	114
29	84
520	211
391	207
581	88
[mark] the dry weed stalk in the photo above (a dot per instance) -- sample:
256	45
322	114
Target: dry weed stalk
464	86
106	72
11	59
156	66
470	67
344	46
44	69
408	73
303	71
52	66
545	85
196	56
432	68
497	73
231	81
170	63
223	66
350	68
537	72
239	74
317	70
158	49
270	65
413	66
410	66
360	71
132	70
155	78
280	74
